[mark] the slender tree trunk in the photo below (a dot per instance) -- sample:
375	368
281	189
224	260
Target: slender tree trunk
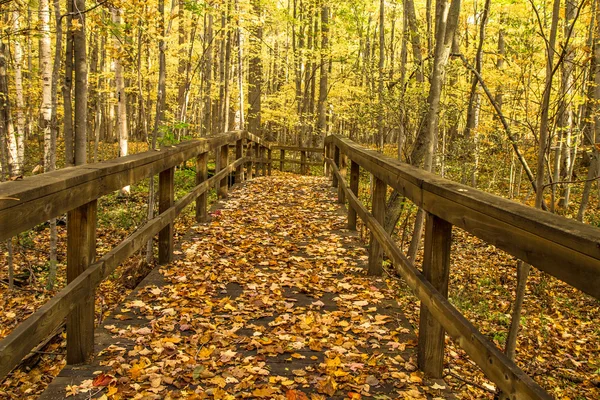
422	153
255	78
474	100
46	111
10	141
323	81
81	89
593	171
242	103
208	67
380	116
545	107
122	130
158	117
20	103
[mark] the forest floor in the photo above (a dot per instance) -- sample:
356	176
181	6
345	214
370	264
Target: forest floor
268	300
559	344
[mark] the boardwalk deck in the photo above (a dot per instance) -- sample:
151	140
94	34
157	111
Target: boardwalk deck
267	300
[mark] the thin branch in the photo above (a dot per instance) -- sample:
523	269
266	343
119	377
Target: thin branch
570	182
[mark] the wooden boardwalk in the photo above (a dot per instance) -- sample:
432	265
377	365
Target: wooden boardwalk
267	300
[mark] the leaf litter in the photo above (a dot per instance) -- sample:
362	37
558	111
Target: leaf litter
268	300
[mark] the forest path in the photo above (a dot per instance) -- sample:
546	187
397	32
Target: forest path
267	300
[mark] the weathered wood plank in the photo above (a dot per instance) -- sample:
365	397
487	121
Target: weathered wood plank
201	176
303	166
336	160
52	194
223	155
269	161
436	269
308	163
570	250
41	323
166	192
354	180
81	253
239	177
497	367
378	211
298	148
281	159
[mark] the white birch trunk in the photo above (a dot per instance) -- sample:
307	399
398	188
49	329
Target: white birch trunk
121	97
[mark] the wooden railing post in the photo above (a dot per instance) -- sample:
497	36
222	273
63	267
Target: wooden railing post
263	155
166	180
303	169
257	155
81	253
281	159
239	171
436	267
270	165
378	211
336	160
354	175
249	165
342	167
326	155
222	165
201	176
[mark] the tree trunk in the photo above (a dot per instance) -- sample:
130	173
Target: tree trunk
242	104
380	116
545	107
122	129
255	72
158	117
81	89
423	151
323	81
20	103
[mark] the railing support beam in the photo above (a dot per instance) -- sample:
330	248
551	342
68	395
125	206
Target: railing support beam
336	160
223	158
270	165
378	211
201	176
239	171
436	268
81	253
354	178
166	181
281	159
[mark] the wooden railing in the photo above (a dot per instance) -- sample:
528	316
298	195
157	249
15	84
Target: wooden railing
303	161
564	248
26	203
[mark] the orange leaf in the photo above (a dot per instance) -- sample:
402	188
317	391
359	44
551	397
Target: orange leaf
102	380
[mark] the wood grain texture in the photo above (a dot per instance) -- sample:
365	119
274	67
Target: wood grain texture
493	362
166	193
201	176
354	180
239	145
378	212
52	194
436	269
223	156
566	249
81	253
41	323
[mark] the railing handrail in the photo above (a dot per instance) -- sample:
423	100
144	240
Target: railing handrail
34	200
447	204
565	248
19	195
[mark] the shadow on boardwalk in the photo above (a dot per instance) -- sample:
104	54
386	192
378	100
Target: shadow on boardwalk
268	300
